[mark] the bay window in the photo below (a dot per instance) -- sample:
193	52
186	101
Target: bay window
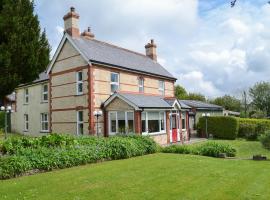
121	122
153	122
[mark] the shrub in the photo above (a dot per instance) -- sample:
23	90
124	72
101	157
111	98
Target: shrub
180	149
219	126
265	139
252	128
61	151
214	149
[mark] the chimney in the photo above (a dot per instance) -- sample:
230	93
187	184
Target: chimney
87	34
71	21
151	50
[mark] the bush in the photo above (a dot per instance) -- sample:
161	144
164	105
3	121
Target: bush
251	129
219	126
265	139
214	149
61	151
211	149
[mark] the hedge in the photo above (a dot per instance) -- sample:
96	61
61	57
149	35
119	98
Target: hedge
211	149
252	128
21	155
219	126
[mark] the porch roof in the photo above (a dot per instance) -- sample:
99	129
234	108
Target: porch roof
140	101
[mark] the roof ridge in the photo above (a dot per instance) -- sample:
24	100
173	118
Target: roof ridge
122	48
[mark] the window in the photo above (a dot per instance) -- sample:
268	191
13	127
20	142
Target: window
121	122
45	93
161	87
114	82
26	96
80	122
141	84
26	122
153	122
79	83
44	122
183	120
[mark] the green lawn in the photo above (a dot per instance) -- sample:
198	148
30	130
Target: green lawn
157	176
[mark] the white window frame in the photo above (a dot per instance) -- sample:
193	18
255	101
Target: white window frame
161	89
26	123
26	95
45	93
42	121
116	118
160	117
79	122
79	82
141	84
114	83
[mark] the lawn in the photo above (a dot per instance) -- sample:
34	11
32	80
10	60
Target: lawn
157	176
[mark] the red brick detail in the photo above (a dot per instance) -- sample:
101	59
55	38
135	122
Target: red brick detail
138	121
91	100
73	32
67	109
106	122
70	70
168	126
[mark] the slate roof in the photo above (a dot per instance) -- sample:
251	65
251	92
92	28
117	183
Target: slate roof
104	53
42	77
201	105
145	101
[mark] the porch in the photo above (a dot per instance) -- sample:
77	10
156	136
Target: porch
162	119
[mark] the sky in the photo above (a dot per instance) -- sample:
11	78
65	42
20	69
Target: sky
208	46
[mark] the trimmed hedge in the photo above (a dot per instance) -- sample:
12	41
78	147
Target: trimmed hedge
265	139
211	149
219	126
61	151
251	129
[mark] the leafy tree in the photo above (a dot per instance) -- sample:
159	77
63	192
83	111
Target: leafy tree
260	95
228	102
180	92
196	96
24	48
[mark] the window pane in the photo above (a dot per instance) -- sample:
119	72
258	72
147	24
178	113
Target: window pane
45	88
80	116
130	120
45	97
114	77
121	122
113	122
153	122
114	88
80	129
162	121
143	122
80	76
80	87
183	121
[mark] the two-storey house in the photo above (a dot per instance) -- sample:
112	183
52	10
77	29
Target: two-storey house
133	91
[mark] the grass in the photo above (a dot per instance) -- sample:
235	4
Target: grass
157	176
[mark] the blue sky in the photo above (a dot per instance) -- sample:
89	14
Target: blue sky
210	47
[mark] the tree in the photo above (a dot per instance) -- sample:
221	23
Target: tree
260	95
196	96
228	102
233	2
180	92
24	48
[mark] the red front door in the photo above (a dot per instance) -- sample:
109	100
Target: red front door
174	128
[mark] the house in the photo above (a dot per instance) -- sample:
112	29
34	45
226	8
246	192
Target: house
231	113
132	90
197	109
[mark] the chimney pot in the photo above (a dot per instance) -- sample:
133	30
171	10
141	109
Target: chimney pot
87	34
72	9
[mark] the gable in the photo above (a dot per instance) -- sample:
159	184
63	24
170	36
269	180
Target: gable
119	105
